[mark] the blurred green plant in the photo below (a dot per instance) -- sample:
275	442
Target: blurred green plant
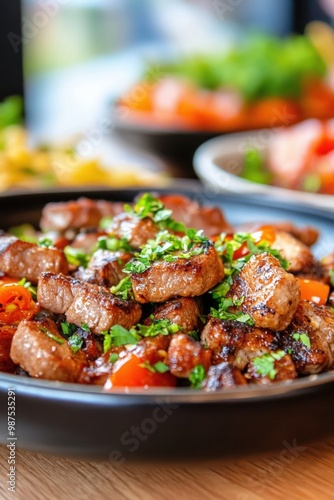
11	111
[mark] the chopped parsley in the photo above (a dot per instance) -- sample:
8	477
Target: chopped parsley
113	244
85	327
158	367
148	206
224	313
196	377
68	328
113	357
76	256
118	336
302	337
265	364
75	342
123	289
157	327
45	242
168	247
51	336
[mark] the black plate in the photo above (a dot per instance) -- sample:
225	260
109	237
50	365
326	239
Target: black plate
69	419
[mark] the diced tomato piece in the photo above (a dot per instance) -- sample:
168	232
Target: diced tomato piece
314	291
265	234
130	372
241	252
16	304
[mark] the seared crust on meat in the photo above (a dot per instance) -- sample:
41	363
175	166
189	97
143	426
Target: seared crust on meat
298	255
223	375
136	230
284	368
184	354
271	295
20	259
105	268
183	311
236	342
83	212
183	278
317	322
42	356
83	303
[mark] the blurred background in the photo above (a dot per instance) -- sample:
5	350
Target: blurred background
71	59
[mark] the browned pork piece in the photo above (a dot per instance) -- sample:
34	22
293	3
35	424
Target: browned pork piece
223	375
235	342
192	214
185	353
271	295
20	259
105	268
298	255
310	338
40	350
84	303
78	214
281	368
182	278
136	230
183	311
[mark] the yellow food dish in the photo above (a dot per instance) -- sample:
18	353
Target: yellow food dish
22	166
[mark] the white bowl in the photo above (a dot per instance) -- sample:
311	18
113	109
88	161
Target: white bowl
218	162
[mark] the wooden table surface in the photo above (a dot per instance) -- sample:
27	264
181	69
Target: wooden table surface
306	473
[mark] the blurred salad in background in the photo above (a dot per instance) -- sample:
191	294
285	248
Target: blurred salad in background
263	82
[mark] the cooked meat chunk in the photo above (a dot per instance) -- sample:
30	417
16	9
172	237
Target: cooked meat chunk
182	278
328	263
137	231
236	342
20	259
6	336
271	295
98	372
36	350
83	303
75	214
298	255
210	219
87	241
183	311
223	375
105	268
282	369
150	346
310	338
184	354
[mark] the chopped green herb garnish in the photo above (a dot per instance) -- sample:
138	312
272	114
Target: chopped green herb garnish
113	244
158	367
223	312
25	232
31	288
68	328
75	342
118	336
123	289
85	327
51	336
157	327
168	247
196	377
302	337
148	206
45	242
113	357
76	256
105	222
265	364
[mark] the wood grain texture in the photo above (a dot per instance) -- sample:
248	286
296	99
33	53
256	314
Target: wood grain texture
297	473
